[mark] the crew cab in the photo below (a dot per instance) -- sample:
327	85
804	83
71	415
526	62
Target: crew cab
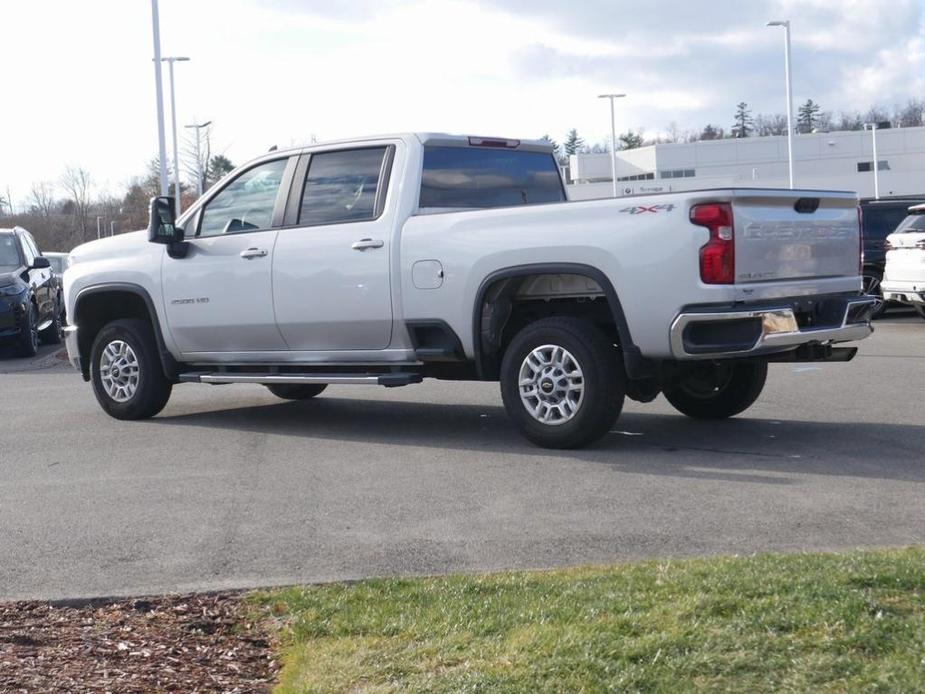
30	295
904	277
387	260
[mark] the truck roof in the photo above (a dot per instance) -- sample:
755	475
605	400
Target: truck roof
425	138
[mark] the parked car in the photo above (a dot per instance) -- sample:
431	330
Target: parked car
388	260
30	296
904	279
879	218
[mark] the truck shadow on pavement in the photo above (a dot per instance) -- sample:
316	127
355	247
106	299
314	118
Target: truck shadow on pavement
740	449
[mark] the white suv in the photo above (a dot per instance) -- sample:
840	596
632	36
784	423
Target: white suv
904	277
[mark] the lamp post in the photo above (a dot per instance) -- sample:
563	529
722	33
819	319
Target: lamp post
613	138
159	90
786	25
198	127
876	164
170	60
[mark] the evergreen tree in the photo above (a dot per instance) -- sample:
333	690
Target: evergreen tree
712	132
808	116
744	123
219	166
573	142
631	140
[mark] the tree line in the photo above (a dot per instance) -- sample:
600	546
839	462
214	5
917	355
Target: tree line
68	211
810	117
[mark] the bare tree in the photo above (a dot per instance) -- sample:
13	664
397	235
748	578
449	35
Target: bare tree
205	155
43	198
76	183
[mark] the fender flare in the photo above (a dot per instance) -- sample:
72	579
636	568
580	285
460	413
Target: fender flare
168	363
636	366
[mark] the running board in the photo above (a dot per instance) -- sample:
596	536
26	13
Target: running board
389	380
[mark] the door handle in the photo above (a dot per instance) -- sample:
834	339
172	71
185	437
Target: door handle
363	244
254	253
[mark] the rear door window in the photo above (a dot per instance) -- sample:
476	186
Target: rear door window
9	253
473	177
343	186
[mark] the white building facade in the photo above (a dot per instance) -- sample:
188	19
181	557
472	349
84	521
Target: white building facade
829	161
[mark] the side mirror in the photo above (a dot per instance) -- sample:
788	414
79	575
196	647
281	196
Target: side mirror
161	222
40	263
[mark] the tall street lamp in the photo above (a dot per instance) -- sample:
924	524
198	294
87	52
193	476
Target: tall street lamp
613	139
159	90
876	165
786	24
173	124
198	126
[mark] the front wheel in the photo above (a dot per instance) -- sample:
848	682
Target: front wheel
29	332
562	382
126	372
295	391
717	390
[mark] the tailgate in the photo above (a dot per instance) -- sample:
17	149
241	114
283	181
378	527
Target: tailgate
795	235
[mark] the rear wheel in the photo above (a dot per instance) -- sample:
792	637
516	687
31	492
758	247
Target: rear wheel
295	391
126	372
562	382
29	333
54	333
871	284
717	390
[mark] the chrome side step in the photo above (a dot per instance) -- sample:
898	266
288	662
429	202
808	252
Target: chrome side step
389	380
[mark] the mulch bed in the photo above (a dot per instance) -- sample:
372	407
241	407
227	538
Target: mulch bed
188	643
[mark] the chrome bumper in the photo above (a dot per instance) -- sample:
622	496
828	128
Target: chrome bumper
73	350
775	330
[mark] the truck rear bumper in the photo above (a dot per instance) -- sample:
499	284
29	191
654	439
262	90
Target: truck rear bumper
711	333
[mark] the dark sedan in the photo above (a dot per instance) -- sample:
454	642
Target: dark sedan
30	296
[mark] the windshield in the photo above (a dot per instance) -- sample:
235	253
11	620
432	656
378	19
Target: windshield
9	252
914	222
471	177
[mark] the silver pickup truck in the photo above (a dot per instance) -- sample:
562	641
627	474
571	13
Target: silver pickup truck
388	260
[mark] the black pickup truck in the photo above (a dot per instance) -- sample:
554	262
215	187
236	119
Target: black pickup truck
30	295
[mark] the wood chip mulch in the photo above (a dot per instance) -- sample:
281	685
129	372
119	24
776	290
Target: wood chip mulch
189	643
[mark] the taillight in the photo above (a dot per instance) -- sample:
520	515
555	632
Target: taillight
717	256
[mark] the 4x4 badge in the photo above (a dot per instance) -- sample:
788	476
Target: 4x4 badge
641	209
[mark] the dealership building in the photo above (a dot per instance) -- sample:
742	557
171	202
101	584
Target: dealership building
833	161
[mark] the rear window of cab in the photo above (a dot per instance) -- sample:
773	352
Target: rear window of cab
480	178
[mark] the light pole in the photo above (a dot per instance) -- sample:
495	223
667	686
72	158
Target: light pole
112	228
98	228
786	24
161	144
170	60
198	126
876	165
613	138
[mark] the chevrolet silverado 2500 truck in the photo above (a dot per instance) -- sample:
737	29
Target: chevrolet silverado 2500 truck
391	259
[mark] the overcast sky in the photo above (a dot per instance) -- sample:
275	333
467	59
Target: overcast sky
78	82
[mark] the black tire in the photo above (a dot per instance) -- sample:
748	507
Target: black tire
717	390
603	382
871	280
919	310
296	391
28	343
54	333
152	389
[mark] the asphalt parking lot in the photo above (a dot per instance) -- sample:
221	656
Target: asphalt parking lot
231	487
